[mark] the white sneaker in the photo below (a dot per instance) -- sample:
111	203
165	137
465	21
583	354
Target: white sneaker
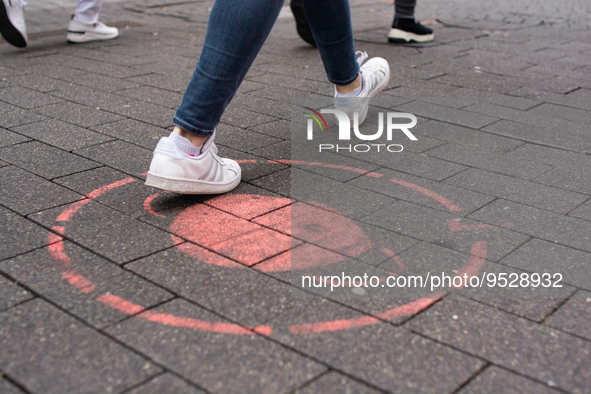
181	173
375	74
12	23
81	32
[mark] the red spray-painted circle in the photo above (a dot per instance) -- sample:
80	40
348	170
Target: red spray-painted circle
275	228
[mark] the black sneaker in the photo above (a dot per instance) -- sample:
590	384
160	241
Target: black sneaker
302	26
409	30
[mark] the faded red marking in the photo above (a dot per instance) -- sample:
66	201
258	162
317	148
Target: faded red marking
195	324
56	251
394	257
328	230
201	254
279	220
333	325
148	205
478	256
477	259
244	161
72	209
79	281
247	206
120	304
308	255
409	309
439	198
95	193
454	225
176	240
130	308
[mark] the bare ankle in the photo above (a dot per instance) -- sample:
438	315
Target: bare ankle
196	140
344	89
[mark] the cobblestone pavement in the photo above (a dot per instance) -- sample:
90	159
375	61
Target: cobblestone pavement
107	285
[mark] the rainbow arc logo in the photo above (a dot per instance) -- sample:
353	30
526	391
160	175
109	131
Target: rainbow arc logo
317	117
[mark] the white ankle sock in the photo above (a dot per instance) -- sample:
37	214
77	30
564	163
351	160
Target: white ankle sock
185	145
354	93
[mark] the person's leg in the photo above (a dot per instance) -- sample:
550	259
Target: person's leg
85	25
405	28
235	34
404	9
186	161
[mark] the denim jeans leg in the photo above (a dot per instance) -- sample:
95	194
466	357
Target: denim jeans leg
330	21
235	34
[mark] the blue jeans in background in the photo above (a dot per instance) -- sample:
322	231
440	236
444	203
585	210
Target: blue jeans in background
236	31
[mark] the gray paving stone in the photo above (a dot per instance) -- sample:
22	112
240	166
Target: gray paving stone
91	97
167	82
209	358
27	98
166	383
525	117
9	138
573	316
517	190
538	223
521	103
448	115
558	158
38	82
126	240
536	309
349	200
135	132
278	129
244	118
120	155
242	139
272	304
422	191
11	294
26	193
391	358
19	235
541	256
145	112
157	96
44	160
582	212
497	380
11	116
78	114
336	383
562	112
278	151
128	198
539	352
433	226
482	158
47	350
38	271
61	135
466	137
574	179
540	135
278	182
9	388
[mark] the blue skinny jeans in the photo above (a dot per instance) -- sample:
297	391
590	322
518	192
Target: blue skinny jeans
236	31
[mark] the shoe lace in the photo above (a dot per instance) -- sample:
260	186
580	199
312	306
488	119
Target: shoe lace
361	57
